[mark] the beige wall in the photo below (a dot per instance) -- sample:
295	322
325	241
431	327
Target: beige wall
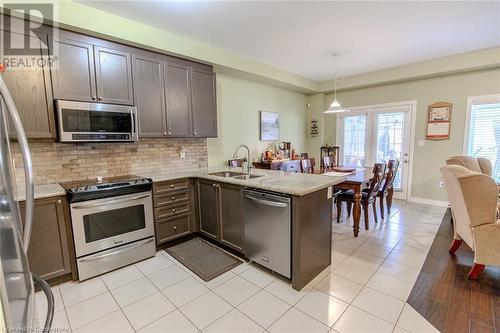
429	158
238	104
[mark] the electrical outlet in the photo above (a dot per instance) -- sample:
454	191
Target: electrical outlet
441	184
182	153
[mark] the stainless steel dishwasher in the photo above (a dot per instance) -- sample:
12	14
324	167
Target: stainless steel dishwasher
268	230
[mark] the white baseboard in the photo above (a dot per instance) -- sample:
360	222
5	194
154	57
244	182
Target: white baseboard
428	201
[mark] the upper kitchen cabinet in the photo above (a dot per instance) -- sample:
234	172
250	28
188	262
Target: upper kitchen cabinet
149	94
73	77
30	88
178	98
203	103
113	76
89	72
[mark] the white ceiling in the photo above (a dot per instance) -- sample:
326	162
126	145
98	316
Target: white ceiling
300	36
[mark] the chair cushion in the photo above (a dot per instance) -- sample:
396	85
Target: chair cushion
349	195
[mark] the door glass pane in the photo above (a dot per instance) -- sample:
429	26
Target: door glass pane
484	134
390	140
96	121
354	141
113	222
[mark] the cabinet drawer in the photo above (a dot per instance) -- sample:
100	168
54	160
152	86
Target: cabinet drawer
172	210
173	228
170	186
171	198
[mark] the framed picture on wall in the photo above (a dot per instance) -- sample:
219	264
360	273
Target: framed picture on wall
269	126
439	121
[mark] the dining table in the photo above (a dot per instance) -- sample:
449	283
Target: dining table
357	181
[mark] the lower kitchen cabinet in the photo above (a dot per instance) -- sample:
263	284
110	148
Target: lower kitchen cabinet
169	229
221	213
172	209
49	254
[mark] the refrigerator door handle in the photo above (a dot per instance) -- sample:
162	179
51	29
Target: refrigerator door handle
50	301
28	167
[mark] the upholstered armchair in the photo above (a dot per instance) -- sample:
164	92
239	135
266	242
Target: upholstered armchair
473	201
477	164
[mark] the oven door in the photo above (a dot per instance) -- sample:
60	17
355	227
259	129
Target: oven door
80	122
105	223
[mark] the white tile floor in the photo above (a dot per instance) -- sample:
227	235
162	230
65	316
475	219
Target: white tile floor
364	290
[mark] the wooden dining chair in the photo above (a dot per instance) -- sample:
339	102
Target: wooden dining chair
327	163
307	166
367	196
387	186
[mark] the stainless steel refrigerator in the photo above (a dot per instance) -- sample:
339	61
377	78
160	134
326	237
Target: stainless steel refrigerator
16	281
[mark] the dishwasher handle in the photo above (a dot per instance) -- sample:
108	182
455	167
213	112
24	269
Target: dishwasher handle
267	202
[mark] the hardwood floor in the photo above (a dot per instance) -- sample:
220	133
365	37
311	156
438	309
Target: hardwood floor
446	298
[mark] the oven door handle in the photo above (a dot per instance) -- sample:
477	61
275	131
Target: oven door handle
100	204
116	251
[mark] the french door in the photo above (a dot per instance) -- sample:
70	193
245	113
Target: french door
368	135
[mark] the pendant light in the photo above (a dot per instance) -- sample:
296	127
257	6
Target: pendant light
335	107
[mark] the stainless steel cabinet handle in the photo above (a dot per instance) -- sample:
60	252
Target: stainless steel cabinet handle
119	250
59	201
195	133
169	133
172	186
110	202
175	227
100	98
28	166
173	198
267	203
173	210
164	133
93	97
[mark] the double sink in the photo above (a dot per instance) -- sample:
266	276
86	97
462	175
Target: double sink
234	175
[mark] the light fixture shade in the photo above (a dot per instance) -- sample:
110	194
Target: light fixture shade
335	107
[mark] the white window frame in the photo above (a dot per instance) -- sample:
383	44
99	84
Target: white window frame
474	100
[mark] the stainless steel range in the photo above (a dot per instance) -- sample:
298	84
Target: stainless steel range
112	221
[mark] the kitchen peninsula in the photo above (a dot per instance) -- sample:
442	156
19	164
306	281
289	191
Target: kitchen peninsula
311	211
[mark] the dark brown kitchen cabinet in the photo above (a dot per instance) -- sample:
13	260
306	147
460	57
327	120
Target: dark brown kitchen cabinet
149	95
221	213
231	215
113	76
73	77
49	254
178	99
31	91
172	209
88	72
207	209
204	109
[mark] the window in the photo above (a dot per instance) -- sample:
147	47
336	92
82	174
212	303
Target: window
354	141
483	130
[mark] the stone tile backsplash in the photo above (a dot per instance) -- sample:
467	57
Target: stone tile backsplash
60	162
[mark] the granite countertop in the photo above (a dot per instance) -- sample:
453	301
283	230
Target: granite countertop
277	181
42	191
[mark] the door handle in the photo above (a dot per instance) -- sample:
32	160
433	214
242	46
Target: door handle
110	202
28	166
267	203
117	251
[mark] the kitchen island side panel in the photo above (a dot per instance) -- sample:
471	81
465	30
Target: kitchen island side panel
311	236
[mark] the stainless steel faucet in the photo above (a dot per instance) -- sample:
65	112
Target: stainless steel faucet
245	166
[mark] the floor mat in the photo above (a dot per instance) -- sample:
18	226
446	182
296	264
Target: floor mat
202	258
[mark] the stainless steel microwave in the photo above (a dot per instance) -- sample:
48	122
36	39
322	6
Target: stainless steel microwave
96	122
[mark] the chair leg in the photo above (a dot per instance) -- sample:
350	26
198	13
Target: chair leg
367	221
349	209
475	271
374	205
339	209
455	245
381	202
